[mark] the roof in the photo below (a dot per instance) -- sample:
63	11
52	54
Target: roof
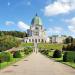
36	20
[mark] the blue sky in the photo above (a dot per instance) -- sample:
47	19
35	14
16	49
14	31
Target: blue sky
58	16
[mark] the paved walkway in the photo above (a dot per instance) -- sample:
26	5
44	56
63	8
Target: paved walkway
37	64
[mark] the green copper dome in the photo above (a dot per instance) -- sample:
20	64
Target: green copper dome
36	20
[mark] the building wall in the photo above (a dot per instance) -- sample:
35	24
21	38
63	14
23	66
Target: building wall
57	39
34	39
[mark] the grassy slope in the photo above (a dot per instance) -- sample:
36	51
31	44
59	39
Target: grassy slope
50	46
26	44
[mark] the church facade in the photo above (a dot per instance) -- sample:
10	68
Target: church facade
36	33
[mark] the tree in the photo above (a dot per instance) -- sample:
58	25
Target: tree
14	33
68	40
63	48
7	42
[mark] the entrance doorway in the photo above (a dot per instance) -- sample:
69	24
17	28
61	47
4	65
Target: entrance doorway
35	40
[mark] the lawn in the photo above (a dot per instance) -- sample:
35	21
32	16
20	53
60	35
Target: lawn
26	44
71	64
5	64
50	46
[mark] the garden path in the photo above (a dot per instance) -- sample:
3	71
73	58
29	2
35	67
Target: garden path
37	64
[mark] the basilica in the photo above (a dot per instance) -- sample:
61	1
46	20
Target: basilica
36	33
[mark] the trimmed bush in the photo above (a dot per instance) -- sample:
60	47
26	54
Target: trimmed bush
57	54
69	56
17	54
65	57
45	52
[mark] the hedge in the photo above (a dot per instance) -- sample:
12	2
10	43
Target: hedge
69	56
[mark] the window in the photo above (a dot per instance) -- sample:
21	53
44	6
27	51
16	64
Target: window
36	33
36	28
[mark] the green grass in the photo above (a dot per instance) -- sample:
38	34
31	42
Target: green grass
71	64
58	59
26	44
50	53
50	46
5	64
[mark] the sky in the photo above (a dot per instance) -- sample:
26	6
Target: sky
58	16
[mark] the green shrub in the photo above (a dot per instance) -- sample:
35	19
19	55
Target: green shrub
1	58
27	50
5	56
65	57
17	54
45	52
57	54
74	60
69	56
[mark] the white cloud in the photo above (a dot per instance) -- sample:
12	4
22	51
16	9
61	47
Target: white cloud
65	0
54	30
8	23
71	25
59	7
72	28
71	21
23	26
